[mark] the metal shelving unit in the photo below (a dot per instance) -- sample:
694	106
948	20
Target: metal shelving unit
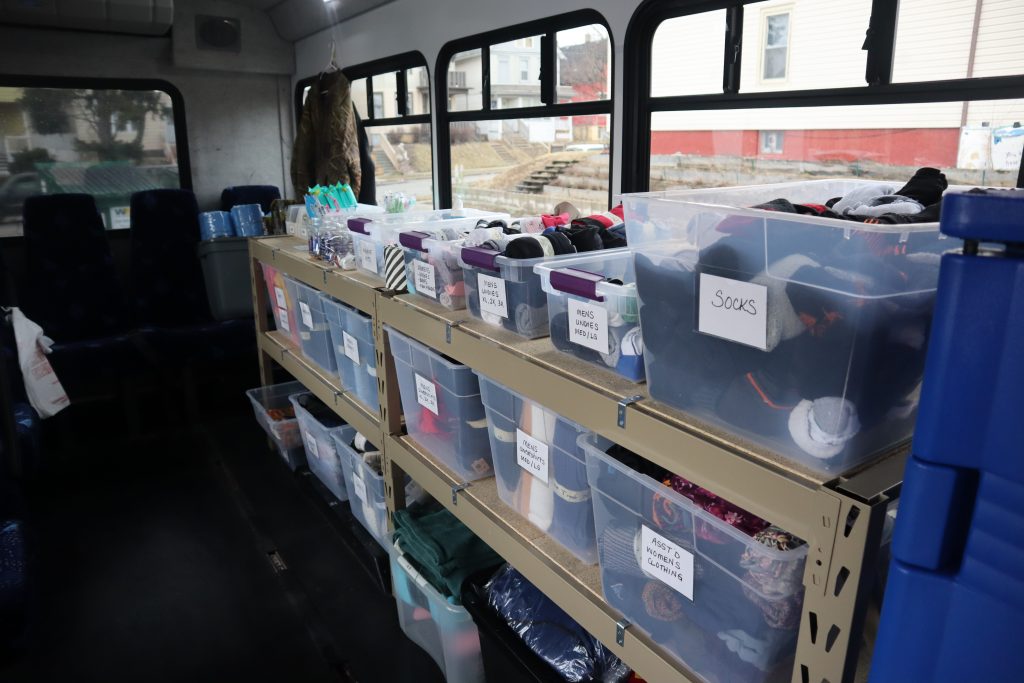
841	518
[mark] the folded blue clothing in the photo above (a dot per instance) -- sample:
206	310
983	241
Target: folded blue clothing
551	633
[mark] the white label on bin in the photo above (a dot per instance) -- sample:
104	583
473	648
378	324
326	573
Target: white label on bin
307	317
351	347
282	319
667	562
367	256
492	295
426	393
282	302
588	325
423	279
532	455
311	445
733	310
359	488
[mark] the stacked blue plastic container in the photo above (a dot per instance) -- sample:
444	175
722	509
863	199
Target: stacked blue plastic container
954	603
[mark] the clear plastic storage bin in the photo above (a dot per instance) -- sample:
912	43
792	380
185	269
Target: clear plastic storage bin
447	632
314	332
281	296
442	407
371	235
354	351
540	470
271	406
593	310
724	603
432	266
365	487
317	422
506	292
803	334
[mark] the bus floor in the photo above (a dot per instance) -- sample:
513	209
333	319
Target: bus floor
191	553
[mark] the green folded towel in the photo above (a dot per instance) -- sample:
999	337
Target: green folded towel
441	547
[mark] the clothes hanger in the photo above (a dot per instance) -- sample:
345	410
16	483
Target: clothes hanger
331	67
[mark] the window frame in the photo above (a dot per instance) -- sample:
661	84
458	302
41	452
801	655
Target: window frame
547	28
766	14
638	105
8	80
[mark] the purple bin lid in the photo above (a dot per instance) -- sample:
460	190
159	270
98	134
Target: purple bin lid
480	257
414	239
578	282
359	225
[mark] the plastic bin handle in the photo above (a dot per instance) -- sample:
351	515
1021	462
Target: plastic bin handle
480	257
414	239
577	282
359	225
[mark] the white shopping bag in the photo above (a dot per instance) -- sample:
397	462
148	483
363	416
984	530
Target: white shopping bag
44	390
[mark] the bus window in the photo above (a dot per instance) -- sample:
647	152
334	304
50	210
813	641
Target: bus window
786	108
513	132
108	143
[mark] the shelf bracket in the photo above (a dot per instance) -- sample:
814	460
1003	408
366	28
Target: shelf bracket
273	253
459	487
625	403
324	271
448	329
620	631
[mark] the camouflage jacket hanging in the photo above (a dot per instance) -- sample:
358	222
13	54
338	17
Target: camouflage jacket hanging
327	145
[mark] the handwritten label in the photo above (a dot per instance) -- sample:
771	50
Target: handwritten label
423	279
359	488
307	317
733	310
282	320
492	295
351	347
367	256
282	302
532	455
426	393
311	445
667	562
588	325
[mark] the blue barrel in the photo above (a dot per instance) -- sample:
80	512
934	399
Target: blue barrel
954	602
248	220
215	224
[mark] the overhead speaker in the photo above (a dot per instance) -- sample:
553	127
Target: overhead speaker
218	33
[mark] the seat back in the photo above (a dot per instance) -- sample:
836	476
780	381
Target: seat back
167	280
249	194
71	287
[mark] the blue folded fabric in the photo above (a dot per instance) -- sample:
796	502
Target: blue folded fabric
247	219
215	224
550	632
